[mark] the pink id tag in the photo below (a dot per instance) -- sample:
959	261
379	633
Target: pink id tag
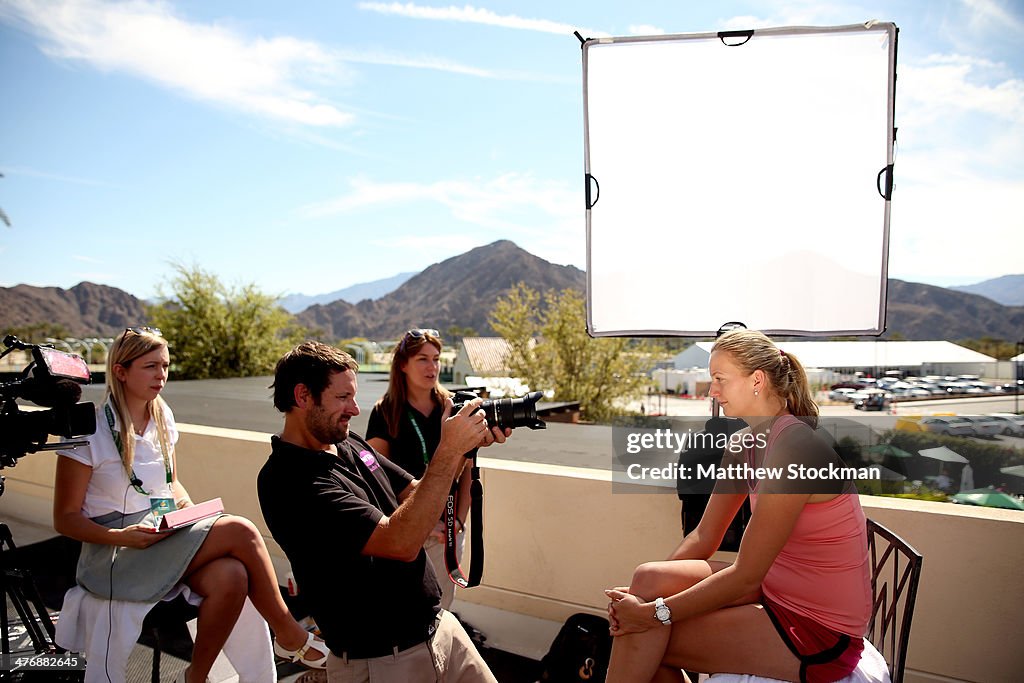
369	460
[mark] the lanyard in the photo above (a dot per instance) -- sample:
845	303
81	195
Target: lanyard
120	451
423	442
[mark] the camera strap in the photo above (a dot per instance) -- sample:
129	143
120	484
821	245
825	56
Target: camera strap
451	558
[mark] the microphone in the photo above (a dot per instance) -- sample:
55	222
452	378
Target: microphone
50	393
135	481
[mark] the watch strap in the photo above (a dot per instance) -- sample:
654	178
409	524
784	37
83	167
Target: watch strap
662	612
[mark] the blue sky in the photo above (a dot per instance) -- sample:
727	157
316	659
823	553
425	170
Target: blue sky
310	146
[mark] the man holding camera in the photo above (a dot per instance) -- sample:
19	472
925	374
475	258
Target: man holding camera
353	525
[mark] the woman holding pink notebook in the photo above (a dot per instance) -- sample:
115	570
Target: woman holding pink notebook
114	493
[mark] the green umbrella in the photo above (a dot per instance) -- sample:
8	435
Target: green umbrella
989	498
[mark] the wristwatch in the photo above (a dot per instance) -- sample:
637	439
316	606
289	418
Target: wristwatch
662	612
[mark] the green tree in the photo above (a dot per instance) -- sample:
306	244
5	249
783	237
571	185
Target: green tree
550	349
219	331
454	334
991	346
360	348
37	333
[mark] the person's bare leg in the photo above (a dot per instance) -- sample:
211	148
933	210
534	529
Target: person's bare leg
668	674
237	537
637	656
223	584
740	640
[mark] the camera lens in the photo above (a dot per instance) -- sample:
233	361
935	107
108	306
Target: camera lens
507	413
514	412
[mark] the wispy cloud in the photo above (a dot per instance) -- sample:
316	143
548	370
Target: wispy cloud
944	82
543	216
85	259
415	62
483	202
261	76
645	30
432	244
945	100
797	13
475	15
988	15
31	172
274	78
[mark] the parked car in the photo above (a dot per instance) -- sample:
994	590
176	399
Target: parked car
857	396
848	385
966	422
984	425
1011	425
871	399
948	426
841	394
1012	387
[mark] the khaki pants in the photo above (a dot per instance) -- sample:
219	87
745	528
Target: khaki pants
449	656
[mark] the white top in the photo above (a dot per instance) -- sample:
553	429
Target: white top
109	483
871	668
106	631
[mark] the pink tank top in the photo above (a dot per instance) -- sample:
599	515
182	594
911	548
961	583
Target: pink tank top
823	571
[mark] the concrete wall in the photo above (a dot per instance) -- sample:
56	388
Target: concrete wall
557	536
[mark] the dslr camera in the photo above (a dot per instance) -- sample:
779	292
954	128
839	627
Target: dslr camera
505	412
53	380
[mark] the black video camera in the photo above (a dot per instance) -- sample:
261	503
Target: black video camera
53	379
505	412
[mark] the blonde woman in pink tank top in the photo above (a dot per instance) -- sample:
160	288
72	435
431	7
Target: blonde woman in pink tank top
795	604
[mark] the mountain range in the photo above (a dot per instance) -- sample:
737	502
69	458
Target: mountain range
85	310
294	303
1007	290
461	291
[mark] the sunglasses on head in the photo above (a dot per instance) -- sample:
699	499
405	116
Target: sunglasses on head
417	334
144	330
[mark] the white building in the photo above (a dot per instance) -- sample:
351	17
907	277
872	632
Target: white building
481	357
920	358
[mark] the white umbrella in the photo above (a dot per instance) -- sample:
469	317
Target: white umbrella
1015	471
967	478
943	454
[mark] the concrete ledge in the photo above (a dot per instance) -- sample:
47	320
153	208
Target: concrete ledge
558	536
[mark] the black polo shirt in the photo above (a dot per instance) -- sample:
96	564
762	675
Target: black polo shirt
321	510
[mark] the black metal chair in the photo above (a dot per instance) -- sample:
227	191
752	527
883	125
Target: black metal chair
165	631
895	574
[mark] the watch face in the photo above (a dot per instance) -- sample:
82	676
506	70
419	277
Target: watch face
662	612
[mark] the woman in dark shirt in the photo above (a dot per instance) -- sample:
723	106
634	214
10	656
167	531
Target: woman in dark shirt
405	427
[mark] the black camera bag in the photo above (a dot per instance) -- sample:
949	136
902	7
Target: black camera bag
580	651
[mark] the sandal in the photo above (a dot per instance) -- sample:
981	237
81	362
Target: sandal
313	644
182	676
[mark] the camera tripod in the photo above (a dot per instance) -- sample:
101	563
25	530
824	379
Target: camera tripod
18	586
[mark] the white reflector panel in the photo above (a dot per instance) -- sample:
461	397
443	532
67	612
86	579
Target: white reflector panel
739	182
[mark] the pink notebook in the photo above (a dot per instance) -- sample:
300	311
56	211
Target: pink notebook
190	515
